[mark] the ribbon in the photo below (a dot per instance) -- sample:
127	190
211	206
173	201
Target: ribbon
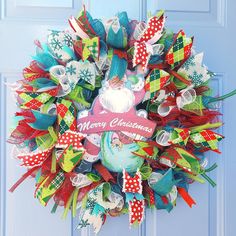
118	65
177	54
69	158
183	159
73	151
161	184
89	44
82	26
66	113
185	97
34	100
150	193
117	33
146	150
70	138
100	201
49	186
163	137
164	187
143	47
34	118
206	138
187	198
180	51
60	44
180	136
104	172
155	81
33	71
195	70
74	72
80	180
24	176
35	158
88	48
44	57
132	187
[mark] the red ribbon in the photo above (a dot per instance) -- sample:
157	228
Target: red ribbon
121	54
24	176
168	69
104	172
187	198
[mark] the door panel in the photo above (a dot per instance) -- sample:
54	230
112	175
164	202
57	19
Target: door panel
212	24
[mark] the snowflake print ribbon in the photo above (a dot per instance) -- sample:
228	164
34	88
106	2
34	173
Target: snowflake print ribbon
132	187
195	70
98	205
143	47
60	44
74	74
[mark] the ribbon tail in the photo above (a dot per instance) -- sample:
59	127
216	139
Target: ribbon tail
24	176
103	171
187	198
179	77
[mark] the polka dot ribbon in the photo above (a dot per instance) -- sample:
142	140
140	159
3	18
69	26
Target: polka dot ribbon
143	48
132	187
34	159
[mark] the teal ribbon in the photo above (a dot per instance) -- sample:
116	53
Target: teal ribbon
69	51
131	196
161	205
44	58
98	209
118	67
42	121
165	184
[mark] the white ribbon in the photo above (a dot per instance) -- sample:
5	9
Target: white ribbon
139	29
163	138
69	76
80	180
187	96
164	110
77	29
59	72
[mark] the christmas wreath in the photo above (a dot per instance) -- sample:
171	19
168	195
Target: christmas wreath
114	116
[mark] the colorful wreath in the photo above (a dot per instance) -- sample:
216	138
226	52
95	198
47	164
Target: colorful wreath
114	116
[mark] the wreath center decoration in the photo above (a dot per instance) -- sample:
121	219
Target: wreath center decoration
114	117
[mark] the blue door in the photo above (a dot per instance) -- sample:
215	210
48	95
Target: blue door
212	22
